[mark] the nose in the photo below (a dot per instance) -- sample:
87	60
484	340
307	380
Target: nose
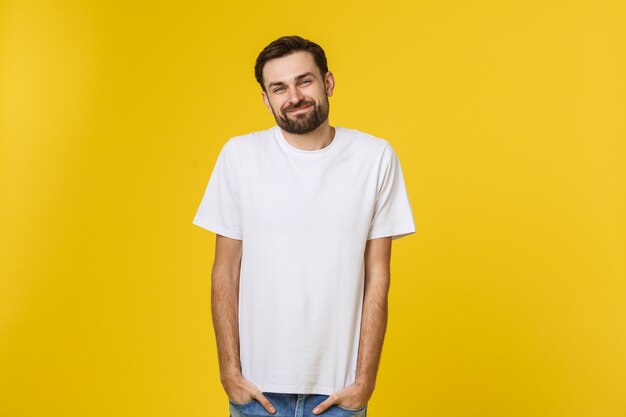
295	96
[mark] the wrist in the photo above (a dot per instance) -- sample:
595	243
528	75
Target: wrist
366	385
229	377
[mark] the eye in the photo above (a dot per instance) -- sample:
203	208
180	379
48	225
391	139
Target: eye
305	81
278	89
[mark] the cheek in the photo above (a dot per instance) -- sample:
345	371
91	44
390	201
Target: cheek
284	103
276	105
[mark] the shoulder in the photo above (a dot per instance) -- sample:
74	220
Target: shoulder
250	140
366	143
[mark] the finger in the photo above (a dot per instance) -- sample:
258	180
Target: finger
324	405
265	403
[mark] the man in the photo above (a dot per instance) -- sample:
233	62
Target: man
304	214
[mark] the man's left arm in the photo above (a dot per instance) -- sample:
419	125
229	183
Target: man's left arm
373	326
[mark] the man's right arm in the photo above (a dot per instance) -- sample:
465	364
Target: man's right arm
225	312
225	304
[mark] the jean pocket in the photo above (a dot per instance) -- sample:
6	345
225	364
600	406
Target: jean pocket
352	410
241	404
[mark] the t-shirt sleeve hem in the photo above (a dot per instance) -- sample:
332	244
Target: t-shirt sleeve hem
217	229
396	232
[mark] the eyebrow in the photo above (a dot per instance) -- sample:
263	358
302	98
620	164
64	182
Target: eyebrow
297	78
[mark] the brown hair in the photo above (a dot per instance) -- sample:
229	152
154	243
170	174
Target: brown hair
287	45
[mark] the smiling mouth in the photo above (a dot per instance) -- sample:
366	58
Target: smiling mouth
298	109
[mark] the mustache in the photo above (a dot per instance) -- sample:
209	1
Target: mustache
299	105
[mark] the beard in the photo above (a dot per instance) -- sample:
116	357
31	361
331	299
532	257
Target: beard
305	122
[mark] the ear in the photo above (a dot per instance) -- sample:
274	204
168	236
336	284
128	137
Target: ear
266	100
330	83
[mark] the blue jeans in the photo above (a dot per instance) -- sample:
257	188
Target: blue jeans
292	405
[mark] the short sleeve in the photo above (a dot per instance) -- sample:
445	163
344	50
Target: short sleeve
392	214
219	209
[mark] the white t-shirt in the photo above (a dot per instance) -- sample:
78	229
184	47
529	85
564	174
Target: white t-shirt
303	218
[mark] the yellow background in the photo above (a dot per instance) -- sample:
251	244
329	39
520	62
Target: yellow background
509	121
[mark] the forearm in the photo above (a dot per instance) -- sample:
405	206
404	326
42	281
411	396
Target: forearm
373	327
224	310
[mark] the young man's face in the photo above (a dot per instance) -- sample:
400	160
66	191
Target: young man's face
297	94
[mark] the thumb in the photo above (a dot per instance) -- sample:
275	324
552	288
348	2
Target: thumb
265	403
327	403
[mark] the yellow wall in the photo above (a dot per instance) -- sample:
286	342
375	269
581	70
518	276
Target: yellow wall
508	117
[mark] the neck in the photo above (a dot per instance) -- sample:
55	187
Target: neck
317	139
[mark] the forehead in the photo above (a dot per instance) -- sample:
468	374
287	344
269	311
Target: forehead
286	68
